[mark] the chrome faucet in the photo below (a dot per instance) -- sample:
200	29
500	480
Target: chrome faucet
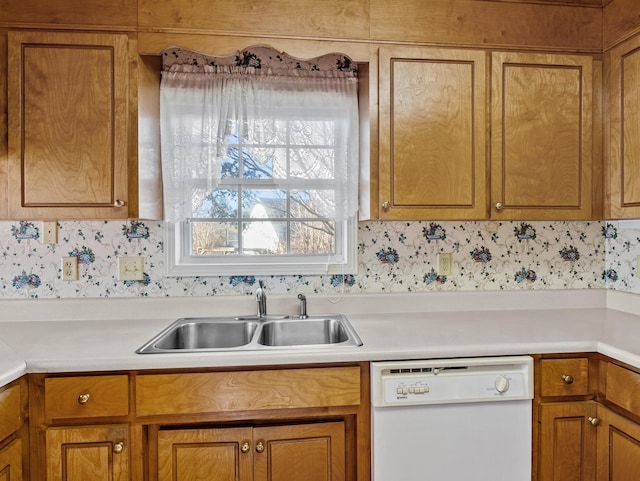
261	299
303	306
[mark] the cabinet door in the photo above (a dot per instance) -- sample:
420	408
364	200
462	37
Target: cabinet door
313	452
67	125
205	454
541	128
432	134
98	453
567	441
11	462
624	131
618	447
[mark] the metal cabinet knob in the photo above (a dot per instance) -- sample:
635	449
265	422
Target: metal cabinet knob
119	203
568	378
245	446
260	446
118	447
594	421
498	205
386	204
83	398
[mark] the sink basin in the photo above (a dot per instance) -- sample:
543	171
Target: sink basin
303	332
252	333
195	334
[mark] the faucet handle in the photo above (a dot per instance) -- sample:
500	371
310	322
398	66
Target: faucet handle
303	306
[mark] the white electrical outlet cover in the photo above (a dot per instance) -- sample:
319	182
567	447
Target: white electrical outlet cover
70	268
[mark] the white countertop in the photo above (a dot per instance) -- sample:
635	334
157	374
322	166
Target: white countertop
85	336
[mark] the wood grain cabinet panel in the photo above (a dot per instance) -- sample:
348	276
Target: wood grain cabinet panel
97	453
623	388
11	461
313	452
618	447
308	18
86	396
10	411
193	393
624	131
567	441
68	109
432	133
541	127
189	454
564	377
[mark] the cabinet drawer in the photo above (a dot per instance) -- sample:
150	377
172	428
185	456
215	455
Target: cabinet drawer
86	396
564	377
10	416
211	392
623	388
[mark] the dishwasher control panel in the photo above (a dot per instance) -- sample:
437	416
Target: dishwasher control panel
451	381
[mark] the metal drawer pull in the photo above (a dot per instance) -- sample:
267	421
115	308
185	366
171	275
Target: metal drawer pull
119	203
118	447
260	446
245	446
83	398
594	421
567	378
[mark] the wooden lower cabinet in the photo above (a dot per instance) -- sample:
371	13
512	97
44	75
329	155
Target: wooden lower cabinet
313	452
96	453
618	447
567	444
11	461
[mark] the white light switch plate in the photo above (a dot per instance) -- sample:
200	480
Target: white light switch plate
444	264
131	268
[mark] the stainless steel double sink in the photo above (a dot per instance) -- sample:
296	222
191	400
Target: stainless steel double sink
204	334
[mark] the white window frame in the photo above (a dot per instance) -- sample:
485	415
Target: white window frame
177	238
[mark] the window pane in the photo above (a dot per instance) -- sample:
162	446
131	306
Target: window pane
280	163
217	204
264	237
231	164
312	203
312	237
308	132
310	163
257	163
264	203
214	238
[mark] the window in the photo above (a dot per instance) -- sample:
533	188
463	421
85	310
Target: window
260	162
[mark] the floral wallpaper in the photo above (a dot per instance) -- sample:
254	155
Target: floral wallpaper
393	257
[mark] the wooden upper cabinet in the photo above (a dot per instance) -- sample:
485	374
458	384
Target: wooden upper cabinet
344	19
68	99
432	133
623	153
541	127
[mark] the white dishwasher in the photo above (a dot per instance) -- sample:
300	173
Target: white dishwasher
452	419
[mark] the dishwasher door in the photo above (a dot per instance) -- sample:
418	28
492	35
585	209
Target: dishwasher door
452	421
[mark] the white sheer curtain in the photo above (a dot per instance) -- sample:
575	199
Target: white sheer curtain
204	101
